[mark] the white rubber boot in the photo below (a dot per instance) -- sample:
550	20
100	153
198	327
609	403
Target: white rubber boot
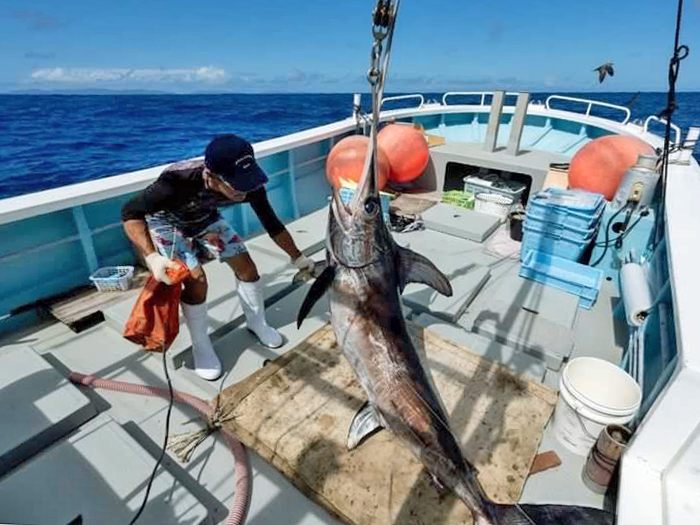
253	305
206	362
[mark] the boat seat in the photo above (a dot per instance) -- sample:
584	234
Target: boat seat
38	406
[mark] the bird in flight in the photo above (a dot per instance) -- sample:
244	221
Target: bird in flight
604	70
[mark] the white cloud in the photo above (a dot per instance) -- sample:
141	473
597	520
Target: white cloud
77	75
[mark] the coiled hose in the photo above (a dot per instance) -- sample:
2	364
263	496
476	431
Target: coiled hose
239	508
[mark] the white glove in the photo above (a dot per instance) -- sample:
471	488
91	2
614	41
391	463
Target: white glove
303	263
157	264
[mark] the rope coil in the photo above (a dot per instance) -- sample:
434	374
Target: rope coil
184	444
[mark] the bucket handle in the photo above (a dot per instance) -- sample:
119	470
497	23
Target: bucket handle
581	422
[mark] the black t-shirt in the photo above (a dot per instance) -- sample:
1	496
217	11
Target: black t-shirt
180	196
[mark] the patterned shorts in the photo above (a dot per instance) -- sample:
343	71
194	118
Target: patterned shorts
218	239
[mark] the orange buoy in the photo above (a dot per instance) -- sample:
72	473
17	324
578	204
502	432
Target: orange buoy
600	165
407	150
347	159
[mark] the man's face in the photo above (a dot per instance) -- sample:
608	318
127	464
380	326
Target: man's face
217	183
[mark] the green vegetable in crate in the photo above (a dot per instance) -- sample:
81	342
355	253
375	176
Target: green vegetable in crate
459	198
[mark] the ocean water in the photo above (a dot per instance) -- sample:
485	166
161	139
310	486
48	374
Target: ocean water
48	141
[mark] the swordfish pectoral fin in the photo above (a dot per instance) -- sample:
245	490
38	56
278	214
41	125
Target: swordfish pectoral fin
318	288
414	268
303	276
363	425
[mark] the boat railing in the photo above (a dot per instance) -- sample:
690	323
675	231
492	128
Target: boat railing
483	95
589	105
654	118
421	99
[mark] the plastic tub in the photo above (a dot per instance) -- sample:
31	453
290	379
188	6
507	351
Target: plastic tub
570	208
563	274
593	393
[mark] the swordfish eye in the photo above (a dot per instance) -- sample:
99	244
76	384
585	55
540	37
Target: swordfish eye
371	206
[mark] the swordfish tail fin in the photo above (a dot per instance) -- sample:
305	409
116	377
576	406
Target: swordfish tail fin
527	514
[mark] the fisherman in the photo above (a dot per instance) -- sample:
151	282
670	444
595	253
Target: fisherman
177	217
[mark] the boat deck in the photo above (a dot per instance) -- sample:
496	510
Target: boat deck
530	328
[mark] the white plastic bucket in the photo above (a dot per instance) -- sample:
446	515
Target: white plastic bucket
592	394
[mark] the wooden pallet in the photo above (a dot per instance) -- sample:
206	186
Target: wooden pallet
295	413
82	308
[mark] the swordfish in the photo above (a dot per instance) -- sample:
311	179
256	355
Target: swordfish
365	274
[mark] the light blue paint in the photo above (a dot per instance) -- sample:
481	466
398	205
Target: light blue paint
291	174
546	134
85	238
635	241
50	254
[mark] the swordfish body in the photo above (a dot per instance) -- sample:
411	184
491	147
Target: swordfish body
365	274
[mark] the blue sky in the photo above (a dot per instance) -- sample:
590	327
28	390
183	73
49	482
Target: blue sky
323	45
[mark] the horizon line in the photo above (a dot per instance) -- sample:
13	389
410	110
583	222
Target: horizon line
147	92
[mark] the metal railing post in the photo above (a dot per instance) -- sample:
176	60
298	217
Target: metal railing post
494	121
518	123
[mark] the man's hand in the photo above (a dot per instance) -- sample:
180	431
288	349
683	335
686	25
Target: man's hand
303	263
157	264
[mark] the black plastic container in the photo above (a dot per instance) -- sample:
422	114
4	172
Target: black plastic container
515	223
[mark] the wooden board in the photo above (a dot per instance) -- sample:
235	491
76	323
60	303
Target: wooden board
82	308
295	413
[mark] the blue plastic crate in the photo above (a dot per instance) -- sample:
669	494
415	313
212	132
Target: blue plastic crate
560	243
559	230
563	274
347	193
570	208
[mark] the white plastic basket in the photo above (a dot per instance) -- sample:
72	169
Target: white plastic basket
493	204
112	278
494	184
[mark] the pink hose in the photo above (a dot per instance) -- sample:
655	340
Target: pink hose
239	507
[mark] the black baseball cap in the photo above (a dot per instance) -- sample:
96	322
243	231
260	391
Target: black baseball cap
233	158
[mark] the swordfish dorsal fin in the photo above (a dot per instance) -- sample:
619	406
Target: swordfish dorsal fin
318	288
363	424
414	268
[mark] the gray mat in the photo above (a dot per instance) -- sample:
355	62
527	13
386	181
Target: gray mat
99	473
460	222
518	362
510	324
465	287
37	406
549	303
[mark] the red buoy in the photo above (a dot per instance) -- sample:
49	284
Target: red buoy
347	159
600	165
406	149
